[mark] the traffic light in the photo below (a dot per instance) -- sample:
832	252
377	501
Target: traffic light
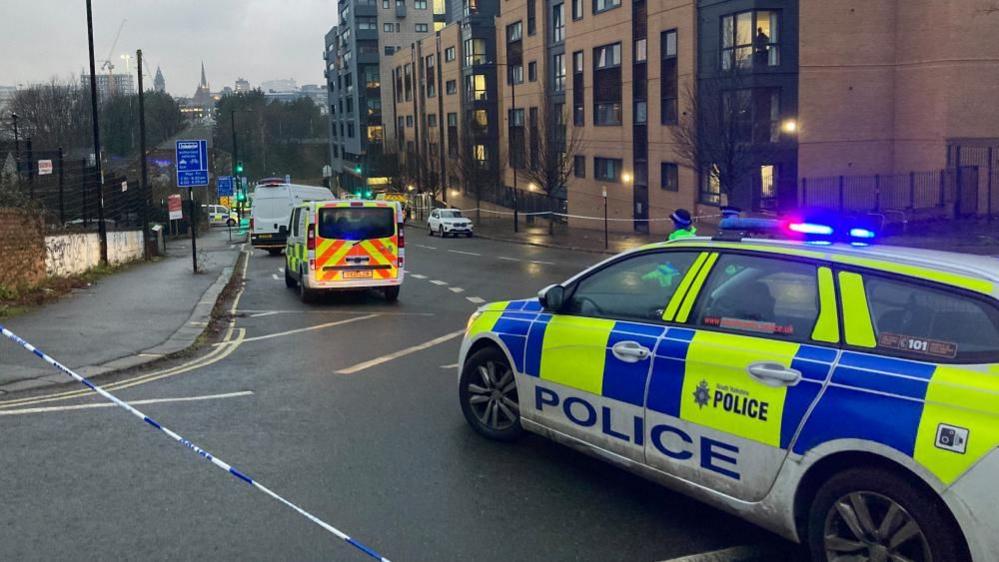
240	195
357	169
367	194
239	167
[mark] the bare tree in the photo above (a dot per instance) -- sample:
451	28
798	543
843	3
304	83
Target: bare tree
552	153
473	166
720	136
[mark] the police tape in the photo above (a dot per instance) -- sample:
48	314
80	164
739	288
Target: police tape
583	217
201	452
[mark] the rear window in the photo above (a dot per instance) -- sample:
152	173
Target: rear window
356	223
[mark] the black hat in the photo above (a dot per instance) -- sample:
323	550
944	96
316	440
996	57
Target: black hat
681	217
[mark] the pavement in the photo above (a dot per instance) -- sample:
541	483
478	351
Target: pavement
132	317
349	408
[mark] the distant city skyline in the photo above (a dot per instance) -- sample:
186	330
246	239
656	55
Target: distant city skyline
257	41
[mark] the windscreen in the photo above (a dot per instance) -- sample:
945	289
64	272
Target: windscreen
356	223
451	214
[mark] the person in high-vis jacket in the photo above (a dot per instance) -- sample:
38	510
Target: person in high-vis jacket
683	225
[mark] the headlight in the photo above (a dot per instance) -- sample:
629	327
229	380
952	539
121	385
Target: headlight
471	320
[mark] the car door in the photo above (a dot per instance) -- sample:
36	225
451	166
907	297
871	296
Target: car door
732	390
432	221
293	251
586	366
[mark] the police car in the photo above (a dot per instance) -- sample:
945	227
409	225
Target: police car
840	394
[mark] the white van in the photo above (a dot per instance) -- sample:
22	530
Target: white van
273	201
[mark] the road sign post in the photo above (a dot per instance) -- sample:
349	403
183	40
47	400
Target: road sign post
192	171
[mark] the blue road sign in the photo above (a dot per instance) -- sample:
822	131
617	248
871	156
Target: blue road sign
224	186
192	163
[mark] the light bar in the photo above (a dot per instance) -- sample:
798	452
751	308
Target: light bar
810	228
862	233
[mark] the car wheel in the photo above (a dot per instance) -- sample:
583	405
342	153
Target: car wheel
391	293
442	231
274	251
874	514
230	222
487	390
304	293
430	230
289	281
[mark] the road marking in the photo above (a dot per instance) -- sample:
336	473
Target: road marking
418	276
732	554
427	247
438	282
508	259
311	328
401	353
541	262
280	270
451	366
456	289
23	411
255	313
475	300
274	276
464	253
262	314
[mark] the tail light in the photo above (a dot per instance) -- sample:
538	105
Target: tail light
251	223
402	243
311	237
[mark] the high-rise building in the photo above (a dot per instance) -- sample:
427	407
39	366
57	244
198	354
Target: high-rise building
354	77
279	85
159	83
110	85
242	85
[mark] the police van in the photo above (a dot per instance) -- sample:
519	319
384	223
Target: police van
273	200
345	245
840	394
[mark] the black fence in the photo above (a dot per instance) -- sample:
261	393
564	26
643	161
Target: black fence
950	193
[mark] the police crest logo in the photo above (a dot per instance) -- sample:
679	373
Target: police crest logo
703	394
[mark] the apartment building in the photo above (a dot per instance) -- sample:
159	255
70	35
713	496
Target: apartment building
368	32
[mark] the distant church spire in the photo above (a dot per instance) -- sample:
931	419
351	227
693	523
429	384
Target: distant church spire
204	81
159	84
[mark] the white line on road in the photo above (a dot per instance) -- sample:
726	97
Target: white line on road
111	405
280	270
732	554
400	353
542	262
504	258
464	253
475	300
262	314
274	276
417	276
456	289
438	282
426	247
311	328
255	313
451	366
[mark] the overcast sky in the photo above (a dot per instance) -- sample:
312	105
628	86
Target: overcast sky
255	39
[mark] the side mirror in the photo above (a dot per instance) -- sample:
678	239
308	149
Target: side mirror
552	297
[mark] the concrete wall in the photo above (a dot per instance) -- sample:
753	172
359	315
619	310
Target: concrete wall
72	254
21	249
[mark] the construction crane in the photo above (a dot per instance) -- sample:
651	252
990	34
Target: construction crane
108	65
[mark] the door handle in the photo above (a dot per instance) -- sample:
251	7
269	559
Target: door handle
774	374
630	351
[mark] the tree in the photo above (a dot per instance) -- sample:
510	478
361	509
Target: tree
473	166
719	137
53	114
553	150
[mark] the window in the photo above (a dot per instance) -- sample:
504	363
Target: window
558	23
641	112
431	76
408	81
398	28
670	78
607	56
451	87
579	166
471	7
784	303
475	87
931	324
452	134
475	52
578	111
532	26
515	74
420	5
558	72
480	120
532	71
385	4
350	105
635	288
388	27
604	5
514	32
750	40
480	153
607	85
449	54
754	114
431	120
517	133
669	181
409	120
607	169
422	28
641	50
577	10
350	130
389	50
367	24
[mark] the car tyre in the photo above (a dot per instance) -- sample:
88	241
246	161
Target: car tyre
391	293
289	281
304	293
430	230
487	391
274	251
877	513
230	223
443	235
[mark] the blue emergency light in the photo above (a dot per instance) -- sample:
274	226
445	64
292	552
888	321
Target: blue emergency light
813	230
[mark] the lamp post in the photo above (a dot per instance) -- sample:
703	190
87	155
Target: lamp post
17	143
605	217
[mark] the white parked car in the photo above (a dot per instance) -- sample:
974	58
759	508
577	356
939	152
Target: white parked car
448	221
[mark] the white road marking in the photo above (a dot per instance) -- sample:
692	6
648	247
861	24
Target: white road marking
464	253
254	313
426	247
262	314
400	353
732	554
456	289
23	411
508	259
280	270
417	276
541	262
451	366
475	300
438	282
274	276
311	328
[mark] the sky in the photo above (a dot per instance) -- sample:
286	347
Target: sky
254	39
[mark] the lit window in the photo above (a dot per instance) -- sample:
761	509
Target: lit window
603	5
449	54
607	169
558	72
475	52
750	40
475	87
558	23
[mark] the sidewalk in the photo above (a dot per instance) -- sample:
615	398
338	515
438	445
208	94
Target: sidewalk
126	319
971	237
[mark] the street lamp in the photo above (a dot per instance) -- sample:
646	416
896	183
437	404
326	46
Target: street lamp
605	217
789	126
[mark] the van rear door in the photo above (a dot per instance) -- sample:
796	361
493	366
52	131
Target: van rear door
357	243
271	212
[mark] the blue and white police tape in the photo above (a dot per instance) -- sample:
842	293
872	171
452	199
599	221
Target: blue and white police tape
203	453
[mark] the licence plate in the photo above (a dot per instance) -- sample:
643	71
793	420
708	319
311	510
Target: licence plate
359	274
263	236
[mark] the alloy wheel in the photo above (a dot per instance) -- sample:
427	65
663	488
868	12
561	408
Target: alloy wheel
870	526
493	398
